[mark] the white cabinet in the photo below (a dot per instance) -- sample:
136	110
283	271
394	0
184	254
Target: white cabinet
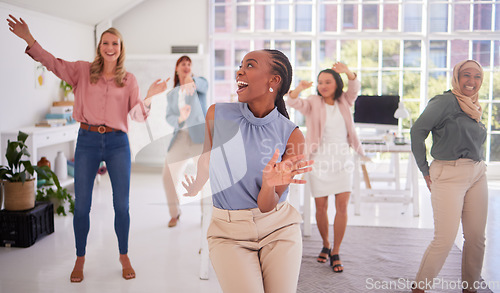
42	137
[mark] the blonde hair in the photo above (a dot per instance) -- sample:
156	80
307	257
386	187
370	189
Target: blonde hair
97	66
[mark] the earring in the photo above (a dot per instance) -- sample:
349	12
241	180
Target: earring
271	89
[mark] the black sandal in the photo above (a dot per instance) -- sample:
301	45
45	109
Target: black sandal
322	259
340	267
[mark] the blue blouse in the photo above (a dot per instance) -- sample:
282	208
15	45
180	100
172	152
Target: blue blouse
242	146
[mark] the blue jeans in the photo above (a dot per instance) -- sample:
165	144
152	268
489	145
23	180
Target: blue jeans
91	149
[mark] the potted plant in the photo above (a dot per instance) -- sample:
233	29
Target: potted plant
58	196
66	88
17	176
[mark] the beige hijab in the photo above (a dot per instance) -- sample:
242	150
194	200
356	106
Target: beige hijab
470	105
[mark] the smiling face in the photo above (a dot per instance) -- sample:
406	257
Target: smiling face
110	47
254	77
183	69
470	81
326	85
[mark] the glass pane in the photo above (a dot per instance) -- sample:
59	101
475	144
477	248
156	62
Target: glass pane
439	17
390	53
496	87
222	18
412	17
482	16
495	121
496	58
497	18
303	53
459	51
461	19
350	16
299	75
436	84
414	110
370	16
495	148
349	52
220	57
411	85
224	93
369	53
437	54
224	74
262	44
222	53
303	18
390	82
262	17
327	53
369	82
412	53
484	91
281	17
328	18
241	48
391	15
285	47
481	52
243	17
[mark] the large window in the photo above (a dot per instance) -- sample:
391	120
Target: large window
401	47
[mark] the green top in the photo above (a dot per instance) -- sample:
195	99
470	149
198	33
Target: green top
454	134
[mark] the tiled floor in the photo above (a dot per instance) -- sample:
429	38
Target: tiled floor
167	259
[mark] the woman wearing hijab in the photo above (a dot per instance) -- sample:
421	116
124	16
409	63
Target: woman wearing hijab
456	177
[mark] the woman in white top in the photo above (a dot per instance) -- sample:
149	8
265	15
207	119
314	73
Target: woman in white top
330	134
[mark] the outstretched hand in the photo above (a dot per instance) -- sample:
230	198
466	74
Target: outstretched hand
20	29
304	84
340	67
282	173
189	185
157	87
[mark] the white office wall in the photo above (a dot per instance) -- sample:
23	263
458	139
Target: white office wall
153	26
21	103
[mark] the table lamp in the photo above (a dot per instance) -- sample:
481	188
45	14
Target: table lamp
401	113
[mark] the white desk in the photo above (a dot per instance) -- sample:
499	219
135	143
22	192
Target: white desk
407	195
41	137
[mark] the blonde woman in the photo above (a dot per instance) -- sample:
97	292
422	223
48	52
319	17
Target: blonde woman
105	94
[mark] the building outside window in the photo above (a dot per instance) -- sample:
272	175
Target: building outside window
401	47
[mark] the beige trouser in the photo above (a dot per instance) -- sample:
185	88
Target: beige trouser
176	160
458	191
256	252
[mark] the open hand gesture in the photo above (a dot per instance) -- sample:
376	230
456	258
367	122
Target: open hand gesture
191	190
20	29
184	113
282	173
304	84
340	67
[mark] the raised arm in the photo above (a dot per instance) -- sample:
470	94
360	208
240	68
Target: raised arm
20	28
353	84
277	176
301	105
194	185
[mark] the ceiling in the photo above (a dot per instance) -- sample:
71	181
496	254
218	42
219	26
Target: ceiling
90	12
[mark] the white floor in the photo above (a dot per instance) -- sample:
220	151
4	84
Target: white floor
167	259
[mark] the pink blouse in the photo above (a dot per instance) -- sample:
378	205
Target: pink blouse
102	103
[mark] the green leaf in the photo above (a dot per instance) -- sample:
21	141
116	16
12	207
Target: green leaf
22	136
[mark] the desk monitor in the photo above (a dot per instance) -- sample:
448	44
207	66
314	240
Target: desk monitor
376	111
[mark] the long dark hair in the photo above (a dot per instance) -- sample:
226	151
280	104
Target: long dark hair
338	80
176	76
281	66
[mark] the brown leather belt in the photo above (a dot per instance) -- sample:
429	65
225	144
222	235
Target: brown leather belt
97	128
